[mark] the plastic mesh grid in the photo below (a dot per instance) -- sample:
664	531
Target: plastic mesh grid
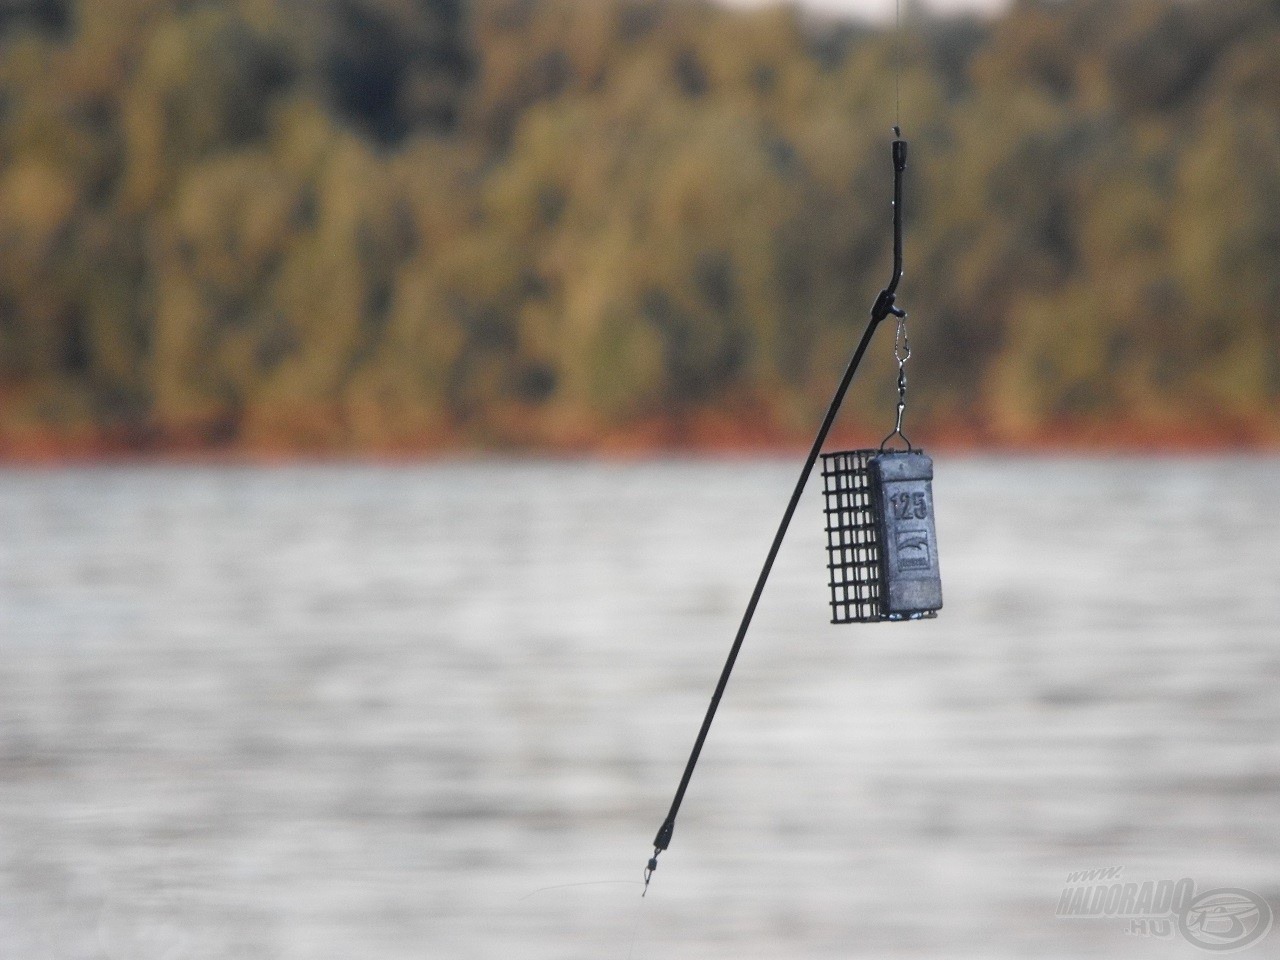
853	543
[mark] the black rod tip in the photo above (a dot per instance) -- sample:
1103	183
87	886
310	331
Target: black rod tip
663	839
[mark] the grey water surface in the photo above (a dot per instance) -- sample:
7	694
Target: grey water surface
421	712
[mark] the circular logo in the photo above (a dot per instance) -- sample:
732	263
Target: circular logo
1225	919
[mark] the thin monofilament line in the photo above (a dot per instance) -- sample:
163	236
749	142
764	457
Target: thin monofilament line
583	883
635	930
897	64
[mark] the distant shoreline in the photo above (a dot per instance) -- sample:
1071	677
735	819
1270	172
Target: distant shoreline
703	435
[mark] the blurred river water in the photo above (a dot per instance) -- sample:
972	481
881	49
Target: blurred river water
439	711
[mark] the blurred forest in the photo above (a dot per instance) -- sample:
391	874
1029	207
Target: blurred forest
375	225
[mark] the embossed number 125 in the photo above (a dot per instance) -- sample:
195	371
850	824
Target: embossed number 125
909	505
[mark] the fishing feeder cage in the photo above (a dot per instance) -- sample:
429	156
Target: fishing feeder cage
882	547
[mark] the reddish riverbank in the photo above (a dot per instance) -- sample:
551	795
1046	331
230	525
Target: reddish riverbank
705	433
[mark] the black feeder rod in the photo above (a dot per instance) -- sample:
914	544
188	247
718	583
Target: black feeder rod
883	307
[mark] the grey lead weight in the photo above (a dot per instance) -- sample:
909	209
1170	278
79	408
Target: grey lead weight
911	586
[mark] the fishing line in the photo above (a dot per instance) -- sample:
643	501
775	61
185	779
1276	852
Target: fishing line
635	930
897	64
635	927
583	883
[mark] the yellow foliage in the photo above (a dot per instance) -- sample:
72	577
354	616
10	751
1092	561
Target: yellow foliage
429	215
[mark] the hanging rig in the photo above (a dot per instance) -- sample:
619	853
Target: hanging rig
884	306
